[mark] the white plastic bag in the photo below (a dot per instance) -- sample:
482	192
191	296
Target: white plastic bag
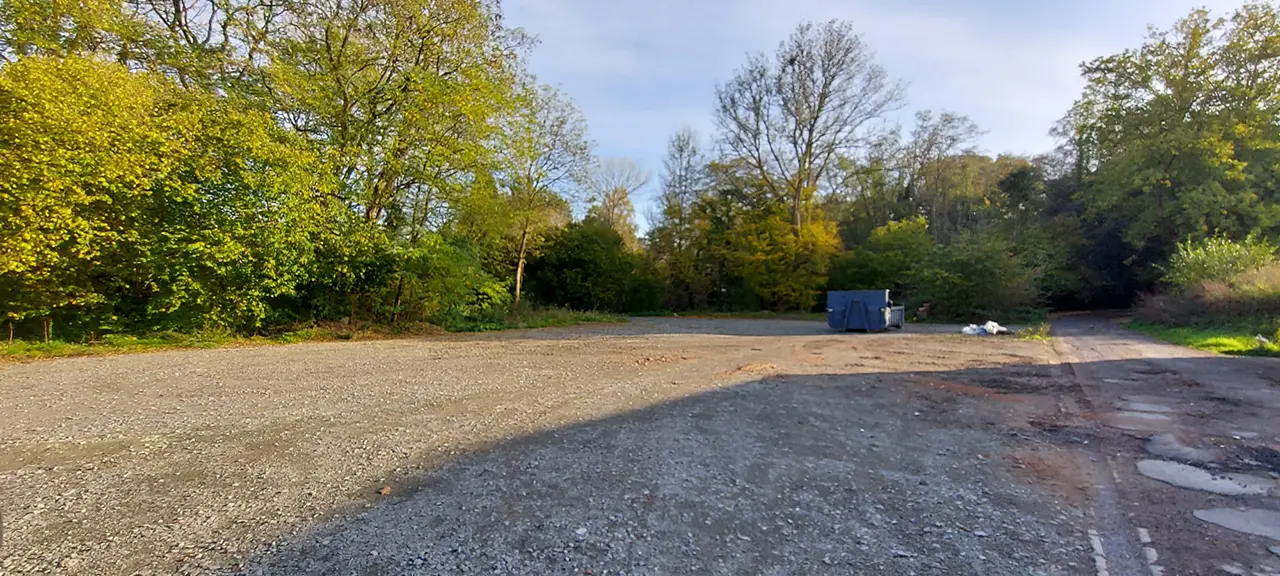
988	329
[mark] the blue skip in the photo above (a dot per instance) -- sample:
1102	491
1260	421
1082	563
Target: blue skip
863	310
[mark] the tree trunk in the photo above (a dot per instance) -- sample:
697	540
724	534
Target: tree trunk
11	331
395	311
47	324
795	212
524	245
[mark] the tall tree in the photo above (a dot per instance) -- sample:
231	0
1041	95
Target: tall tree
543	151
610	185
401	95
793	116
1181	137
684	178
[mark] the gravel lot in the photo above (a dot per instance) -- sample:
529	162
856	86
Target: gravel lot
663	446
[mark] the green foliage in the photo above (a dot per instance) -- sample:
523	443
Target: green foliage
784	268
1041	331
189	169
120	190
1181	137
978	277
1216	259
587	266
892	258
522	316
443	283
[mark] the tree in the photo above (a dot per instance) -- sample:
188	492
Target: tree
83	149
122	192
1178	139
615	210
587	266
671	235
543	151
401	96
610	185
794	116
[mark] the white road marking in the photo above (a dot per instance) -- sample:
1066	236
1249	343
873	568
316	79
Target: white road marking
1099	557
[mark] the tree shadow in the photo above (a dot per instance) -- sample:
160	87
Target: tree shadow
880	473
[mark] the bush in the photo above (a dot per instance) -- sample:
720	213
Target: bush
1216	259
978	277
1253	294
587	266
892	258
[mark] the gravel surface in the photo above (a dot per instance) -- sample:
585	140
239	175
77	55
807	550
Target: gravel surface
663	446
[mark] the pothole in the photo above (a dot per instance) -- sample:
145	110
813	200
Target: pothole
1254	521
1268	457
1185	476
1138	421
1144	407
1169	446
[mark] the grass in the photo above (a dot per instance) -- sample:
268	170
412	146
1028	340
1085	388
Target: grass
521	317
759	315
1237	338
1037	332
312	332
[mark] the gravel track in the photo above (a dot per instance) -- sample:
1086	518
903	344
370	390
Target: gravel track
662	446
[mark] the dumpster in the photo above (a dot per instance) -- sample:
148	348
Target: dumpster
863	310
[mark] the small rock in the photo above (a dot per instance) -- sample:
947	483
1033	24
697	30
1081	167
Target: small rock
980	534
1275	550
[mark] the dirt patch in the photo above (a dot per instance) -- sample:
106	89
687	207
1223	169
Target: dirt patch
963	389
1064	471
758	368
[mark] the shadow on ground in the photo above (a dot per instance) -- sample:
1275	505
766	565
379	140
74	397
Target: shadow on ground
883	473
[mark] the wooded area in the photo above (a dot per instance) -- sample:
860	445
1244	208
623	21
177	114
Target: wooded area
245	165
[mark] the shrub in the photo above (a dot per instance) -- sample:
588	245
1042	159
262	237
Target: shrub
1254	294
978	277
892	258
1216	259
587	266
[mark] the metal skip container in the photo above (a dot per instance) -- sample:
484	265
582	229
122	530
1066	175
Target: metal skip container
863	310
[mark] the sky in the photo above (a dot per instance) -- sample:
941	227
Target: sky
641	69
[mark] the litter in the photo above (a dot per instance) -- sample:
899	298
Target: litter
988	329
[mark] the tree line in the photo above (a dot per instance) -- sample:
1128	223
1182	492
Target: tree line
243	165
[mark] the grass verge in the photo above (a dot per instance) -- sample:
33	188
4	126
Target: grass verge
762	315
1238	338
519	318
312	332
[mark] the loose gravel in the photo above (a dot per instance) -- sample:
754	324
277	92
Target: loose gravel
663	446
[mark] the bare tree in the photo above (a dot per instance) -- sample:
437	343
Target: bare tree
792	117
684	176
615	210
612	174
610	186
